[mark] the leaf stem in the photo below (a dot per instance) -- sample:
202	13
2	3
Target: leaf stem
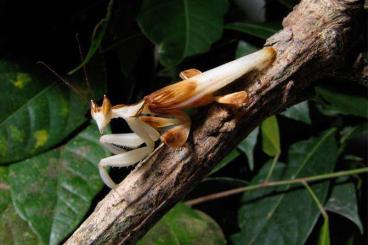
275	183
316	200
274	161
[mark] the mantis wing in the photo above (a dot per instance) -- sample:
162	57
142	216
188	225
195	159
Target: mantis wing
171	95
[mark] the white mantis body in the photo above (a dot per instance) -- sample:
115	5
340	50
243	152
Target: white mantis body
160	115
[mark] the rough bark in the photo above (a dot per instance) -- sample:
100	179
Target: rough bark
317	40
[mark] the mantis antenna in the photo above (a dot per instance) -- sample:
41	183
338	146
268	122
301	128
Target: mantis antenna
62	79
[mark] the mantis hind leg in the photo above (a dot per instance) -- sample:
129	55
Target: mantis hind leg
234	99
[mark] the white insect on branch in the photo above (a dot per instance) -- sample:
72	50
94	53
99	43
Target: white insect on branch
160	114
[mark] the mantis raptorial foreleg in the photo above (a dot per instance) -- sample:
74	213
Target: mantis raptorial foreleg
113	142
143	134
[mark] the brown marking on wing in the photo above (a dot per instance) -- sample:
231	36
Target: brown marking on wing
234	99
204	100
173	94
186	74
159	122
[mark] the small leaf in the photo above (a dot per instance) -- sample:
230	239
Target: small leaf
287	214
39	115
260	30
270	136
324	235
183	225
349	133
298	112
53	191
343	103
343	201
227	159
244	48
247	146
182	28
97	37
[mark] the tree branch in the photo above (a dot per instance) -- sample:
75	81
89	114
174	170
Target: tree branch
316	41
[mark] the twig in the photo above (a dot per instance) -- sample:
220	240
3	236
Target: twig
274	183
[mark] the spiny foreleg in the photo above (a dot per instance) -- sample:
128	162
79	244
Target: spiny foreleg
143	134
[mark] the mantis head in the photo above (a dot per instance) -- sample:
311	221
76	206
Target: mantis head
102	114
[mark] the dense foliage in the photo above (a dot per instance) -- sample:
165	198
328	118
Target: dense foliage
49	151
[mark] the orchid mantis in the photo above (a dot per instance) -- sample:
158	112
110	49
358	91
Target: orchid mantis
160	114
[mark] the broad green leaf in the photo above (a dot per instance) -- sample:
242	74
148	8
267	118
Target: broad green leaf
343	201
247	146
97	37
324	235
287	214
183	225
227	159
182	28
53	191
343	103
34	115
13	230
244	48
298	112
260	30
270	136
4	189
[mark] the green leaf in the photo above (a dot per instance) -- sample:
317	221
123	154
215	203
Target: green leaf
34	116
53	191
182	28
183	225
270	136
324	236
260	30
244	48
4	189
227	159
97	37
298	112
343	103
349	133
287	214
13	230
247	146
343	201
